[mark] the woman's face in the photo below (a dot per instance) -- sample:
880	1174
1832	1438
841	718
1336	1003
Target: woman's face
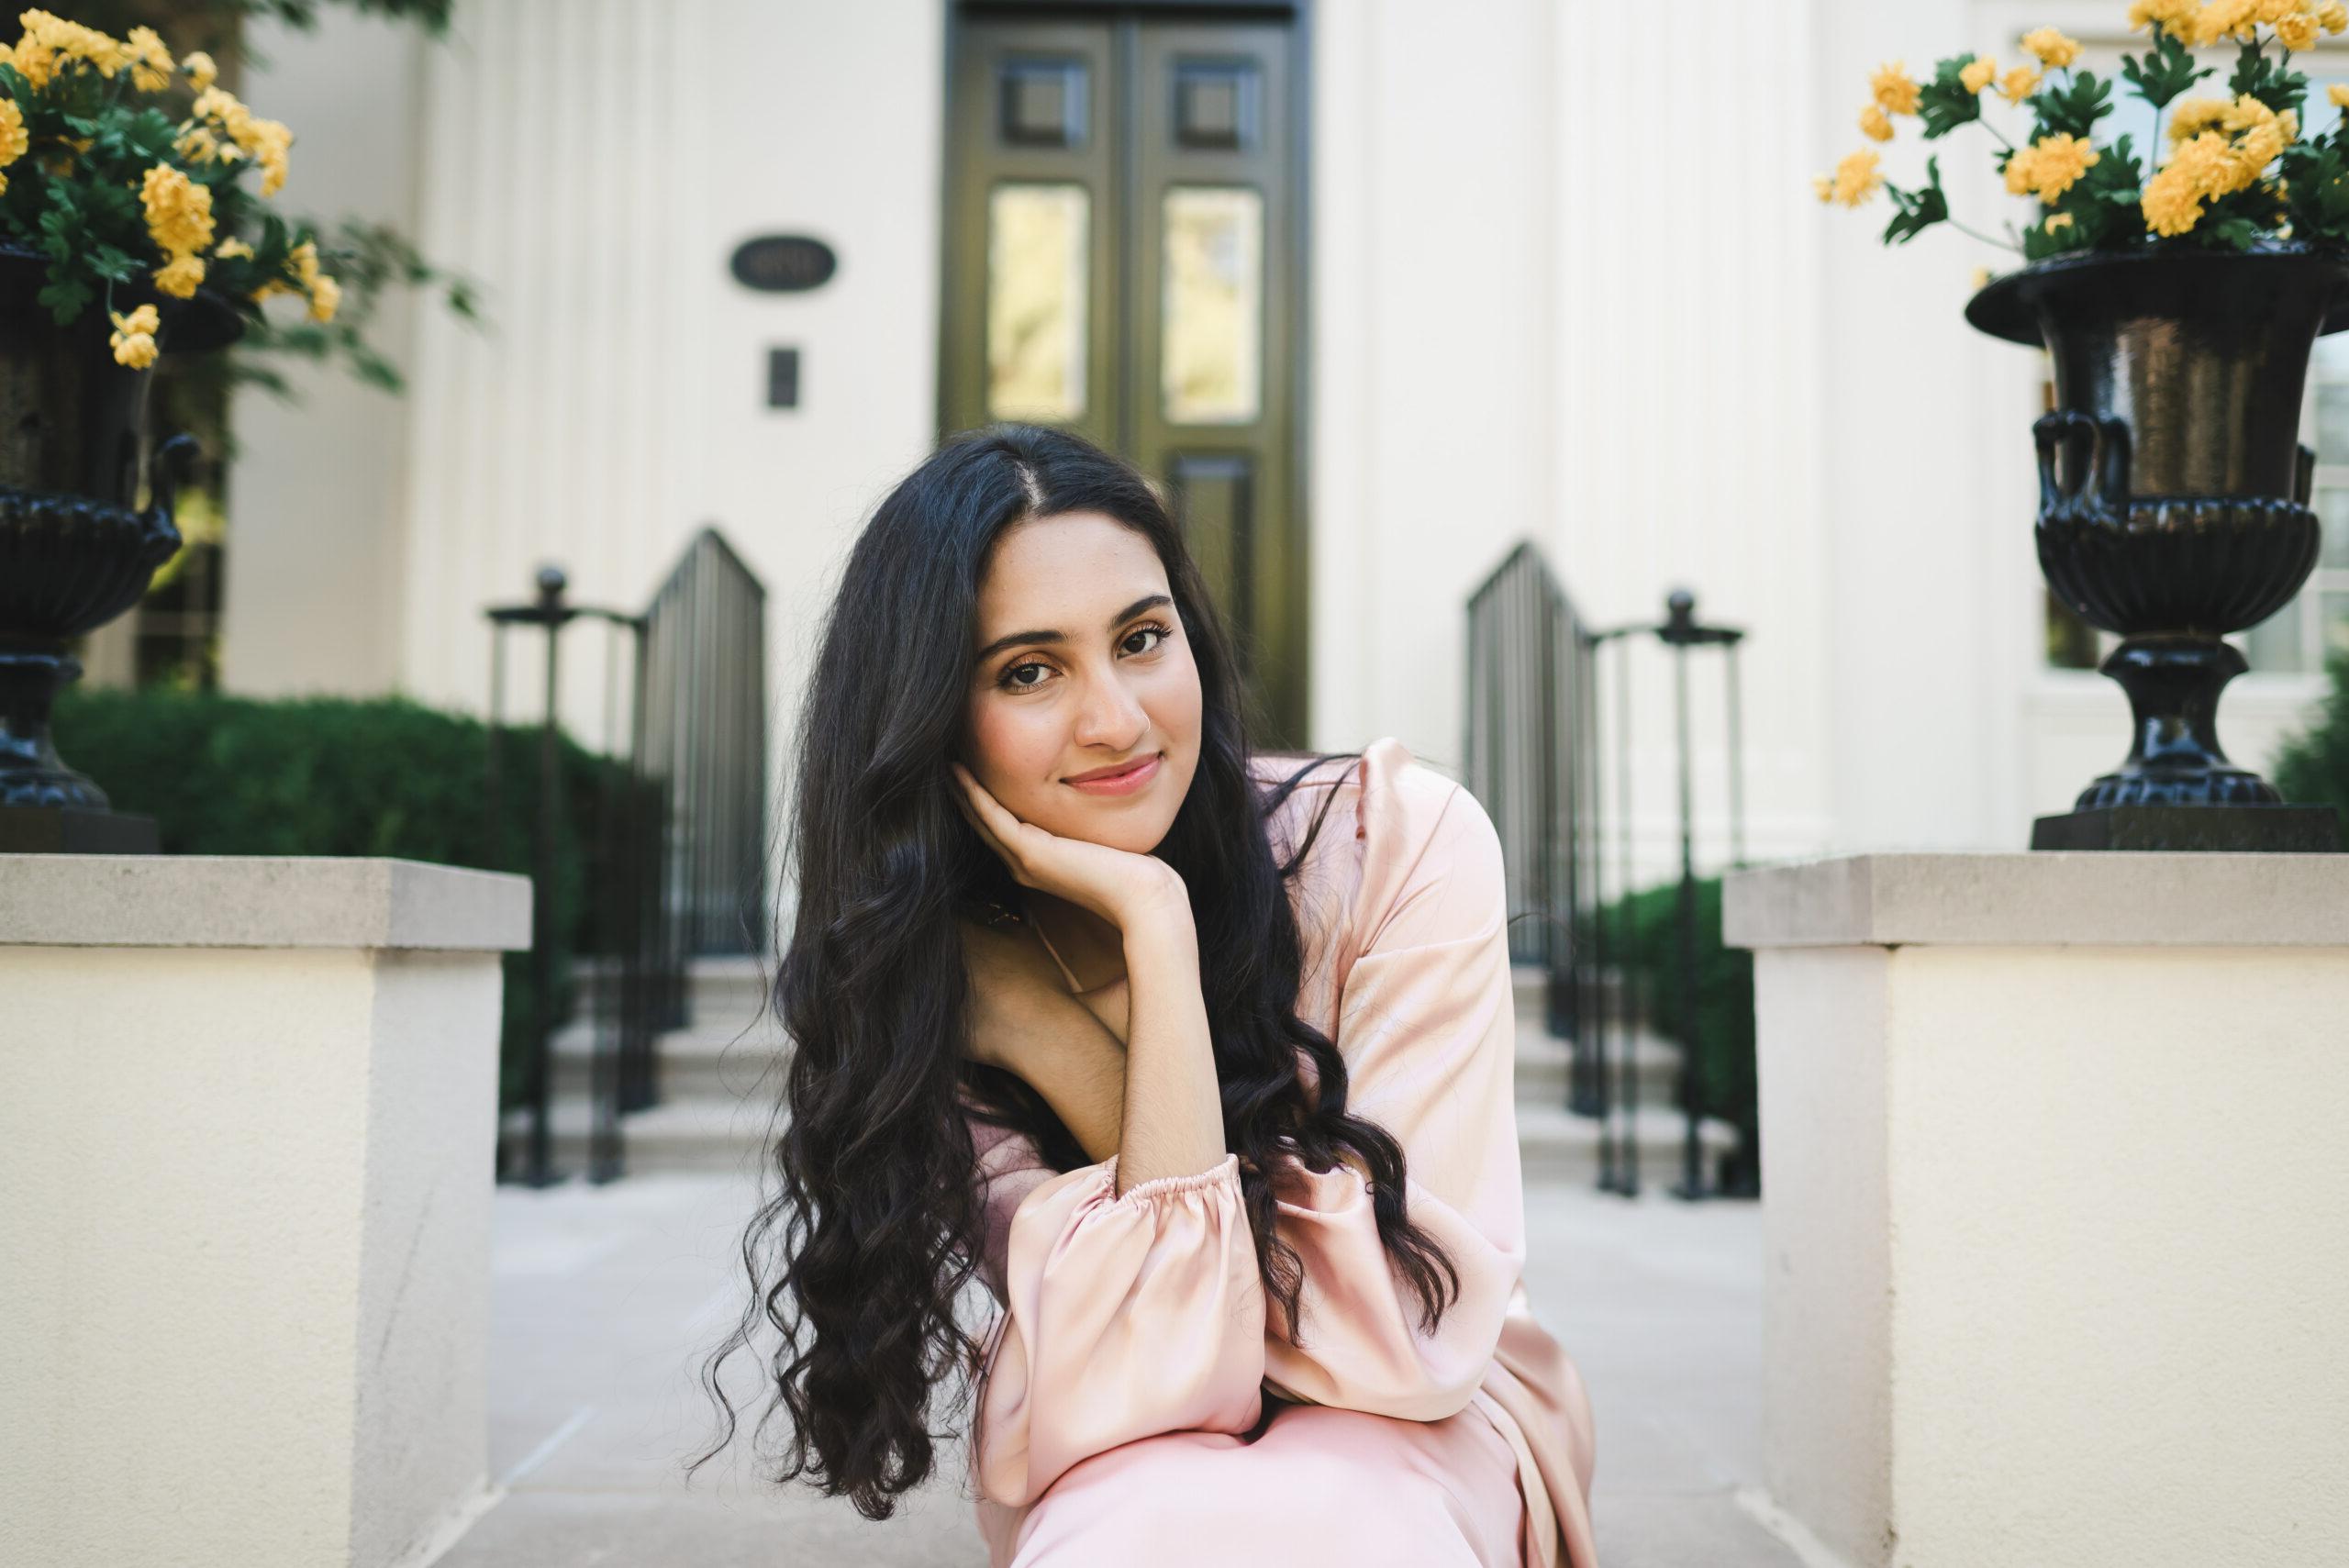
1082	666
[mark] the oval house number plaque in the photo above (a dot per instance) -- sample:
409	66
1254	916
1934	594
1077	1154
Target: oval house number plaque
782	263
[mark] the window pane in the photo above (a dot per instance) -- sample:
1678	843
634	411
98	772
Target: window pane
2333	513
2331	441
2274	645
1210	369
1036	276
2333	605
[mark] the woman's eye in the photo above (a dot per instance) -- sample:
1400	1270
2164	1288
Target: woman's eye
1009	680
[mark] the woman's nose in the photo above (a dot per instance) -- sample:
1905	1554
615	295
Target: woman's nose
1110	715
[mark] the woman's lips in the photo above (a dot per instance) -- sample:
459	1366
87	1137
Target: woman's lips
1132	779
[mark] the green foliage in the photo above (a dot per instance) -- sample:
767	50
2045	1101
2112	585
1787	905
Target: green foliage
2071	108
2271	81
368	258
1945	103
2313	768
225	776
2102	204
76	198
2163	72
1644	932
1917	210
2316	178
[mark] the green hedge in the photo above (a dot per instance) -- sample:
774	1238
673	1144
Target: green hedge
1721	1076
228	775
2314	767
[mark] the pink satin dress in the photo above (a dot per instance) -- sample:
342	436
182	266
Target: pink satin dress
1132	1347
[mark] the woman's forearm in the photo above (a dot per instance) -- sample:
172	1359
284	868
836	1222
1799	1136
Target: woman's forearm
1174	1105
1079	1067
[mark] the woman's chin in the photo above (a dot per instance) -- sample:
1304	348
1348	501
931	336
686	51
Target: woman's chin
1136	835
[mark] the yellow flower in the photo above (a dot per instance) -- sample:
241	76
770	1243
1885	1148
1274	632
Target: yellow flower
2339	95
268	144
1822	184
13	139
35	64
265	142
2056	222
2017	84
201	72
2297	32
134	336
2332	17
1856	178
2052	47
2221	18
149	61
305	258
2049	166
1875	123
325	296
1978	73
232	249
1894	89
1981	279
197	145
2264	135
56	41
179	211
180	278
2192	115
2174	14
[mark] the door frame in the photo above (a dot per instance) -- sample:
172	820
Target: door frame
1298	15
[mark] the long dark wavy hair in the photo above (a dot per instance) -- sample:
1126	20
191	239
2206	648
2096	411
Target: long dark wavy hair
859	1258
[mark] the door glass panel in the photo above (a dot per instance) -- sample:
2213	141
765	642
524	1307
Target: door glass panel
1037	247
1211	357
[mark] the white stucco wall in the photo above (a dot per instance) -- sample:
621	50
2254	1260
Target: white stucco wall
318	499
245	1176
1559	289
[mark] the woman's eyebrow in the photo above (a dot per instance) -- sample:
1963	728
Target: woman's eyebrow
1147	602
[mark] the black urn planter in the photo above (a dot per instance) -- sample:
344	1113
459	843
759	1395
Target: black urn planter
2173	508
75	551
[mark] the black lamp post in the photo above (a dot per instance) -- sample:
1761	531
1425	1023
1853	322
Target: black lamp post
551	612
1680	631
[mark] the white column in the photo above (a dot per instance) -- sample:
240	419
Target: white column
2054	1202
246	1166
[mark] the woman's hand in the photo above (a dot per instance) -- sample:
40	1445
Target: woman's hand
1116	884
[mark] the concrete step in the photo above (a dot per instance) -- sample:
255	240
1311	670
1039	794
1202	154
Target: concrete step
1555	1144
704	1134
695	1135
721	992
695	1061
1651	1075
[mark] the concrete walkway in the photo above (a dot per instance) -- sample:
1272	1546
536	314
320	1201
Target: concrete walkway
607	1300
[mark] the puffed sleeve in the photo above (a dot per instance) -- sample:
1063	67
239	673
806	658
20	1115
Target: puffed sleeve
1427	1027
1123	1316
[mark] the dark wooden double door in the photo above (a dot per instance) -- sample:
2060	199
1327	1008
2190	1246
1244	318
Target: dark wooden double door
1124	238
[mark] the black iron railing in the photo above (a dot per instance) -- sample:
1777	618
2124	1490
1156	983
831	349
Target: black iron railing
675	854
1535	749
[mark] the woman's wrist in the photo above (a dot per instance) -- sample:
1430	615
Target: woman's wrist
1157	913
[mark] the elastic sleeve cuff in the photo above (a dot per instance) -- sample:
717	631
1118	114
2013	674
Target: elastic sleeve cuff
1226	1172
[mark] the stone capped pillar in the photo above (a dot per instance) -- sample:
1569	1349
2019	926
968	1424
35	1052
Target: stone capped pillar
246	1147
2055	1205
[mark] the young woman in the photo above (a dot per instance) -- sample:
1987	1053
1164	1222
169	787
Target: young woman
1199	1059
